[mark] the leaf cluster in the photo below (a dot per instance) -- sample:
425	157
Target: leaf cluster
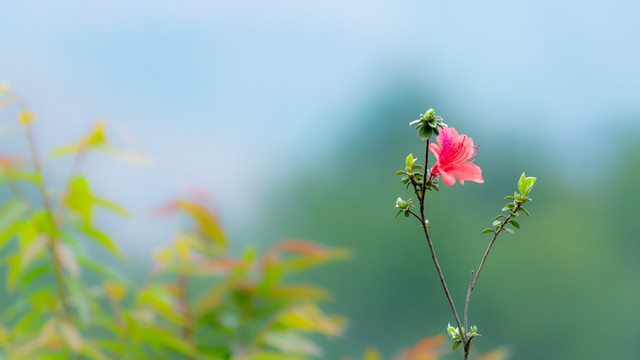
454	335
428	124
410	175
514	208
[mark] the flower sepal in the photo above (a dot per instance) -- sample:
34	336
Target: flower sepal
428	124
404	207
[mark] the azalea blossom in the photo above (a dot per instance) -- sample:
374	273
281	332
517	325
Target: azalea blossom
452	152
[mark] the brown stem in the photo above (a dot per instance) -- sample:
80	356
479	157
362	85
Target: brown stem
423	222
424	181
52	240
66	311
472	283
466	304
184	308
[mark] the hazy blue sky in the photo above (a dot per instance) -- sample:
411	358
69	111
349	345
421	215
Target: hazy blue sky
226	94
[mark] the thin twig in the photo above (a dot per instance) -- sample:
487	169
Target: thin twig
57	266
423	221
184	307
52	240
472	284
466	304
424	179
495	236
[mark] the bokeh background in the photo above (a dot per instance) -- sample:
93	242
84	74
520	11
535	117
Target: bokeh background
295	115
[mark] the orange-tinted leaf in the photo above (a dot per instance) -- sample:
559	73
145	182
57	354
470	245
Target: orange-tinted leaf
308	317
303	248
10	162
497	354
167	209
206	222
308	292
430	348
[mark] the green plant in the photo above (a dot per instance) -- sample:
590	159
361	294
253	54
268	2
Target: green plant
198	302
454	155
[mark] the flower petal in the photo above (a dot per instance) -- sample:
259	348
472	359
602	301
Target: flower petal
435	149
448	178
466	171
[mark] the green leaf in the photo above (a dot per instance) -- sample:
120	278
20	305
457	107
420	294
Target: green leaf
64	150
93	352
13	271
515	224
110	206
522	184
79	296
291	342
24	176
508	207
496	223
455	345
44	223
499	216
80	199
487	230
409	160
101	239
509	198
425	132
34	273
529	185
32	250
525	211
103	270
10	213
510	231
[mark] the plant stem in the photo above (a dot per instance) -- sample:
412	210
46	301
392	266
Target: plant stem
423	221
57	266
184	307
472	283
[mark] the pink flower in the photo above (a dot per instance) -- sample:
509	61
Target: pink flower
452	152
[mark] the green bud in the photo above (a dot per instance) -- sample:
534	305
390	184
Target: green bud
525	184
401	204
425	132
410	160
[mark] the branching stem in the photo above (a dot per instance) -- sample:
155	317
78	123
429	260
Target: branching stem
421	194
474	280
53	242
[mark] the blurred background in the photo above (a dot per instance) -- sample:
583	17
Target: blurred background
295	116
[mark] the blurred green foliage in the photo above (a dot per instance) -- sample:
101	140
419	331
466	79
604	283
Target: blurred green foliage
198	301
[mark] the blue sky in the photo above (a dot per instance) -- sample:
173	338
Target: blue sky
212	88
